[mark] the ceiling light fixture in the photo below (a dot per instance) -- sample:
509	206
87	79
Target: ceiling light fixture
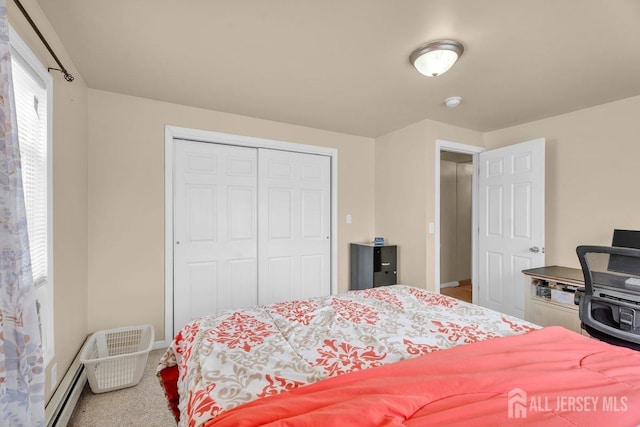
435	58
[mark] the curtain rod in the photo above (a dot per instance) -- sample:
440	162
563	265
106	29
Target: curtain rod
67	76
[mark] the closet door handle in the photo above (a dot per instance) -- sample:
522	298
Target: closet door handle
386	264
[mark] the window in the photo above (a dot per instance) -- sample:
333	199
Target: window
32	90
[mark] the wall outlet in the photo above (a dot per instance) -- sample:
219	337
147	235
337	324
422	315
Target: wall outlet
348	218
54	376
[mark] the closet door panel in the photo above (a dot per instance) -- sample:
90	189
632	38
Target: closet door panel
280	211
312	271
202	278
312	214
242	286
294	225
241	206
280	272
215	229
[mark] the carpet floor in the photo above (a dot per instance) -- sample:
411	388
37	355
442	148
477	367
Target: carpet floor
141	405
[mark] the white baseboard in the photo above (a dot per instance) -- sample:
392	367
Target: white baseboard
59	409
160	344
449	285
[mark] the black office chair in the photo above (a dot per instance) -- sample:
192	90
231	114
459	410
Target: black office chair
610	302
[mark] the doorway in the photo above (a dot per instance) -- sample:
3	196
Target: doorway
456	176
507	220
467	152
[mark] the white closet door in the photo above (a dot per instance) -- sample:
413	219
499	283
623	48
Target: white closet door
215	229
294	226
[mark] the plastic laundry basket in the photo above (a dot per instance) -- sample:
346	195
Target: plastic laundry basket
116	358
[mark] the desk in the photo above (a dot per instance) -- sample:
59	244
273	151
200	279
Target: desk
545	312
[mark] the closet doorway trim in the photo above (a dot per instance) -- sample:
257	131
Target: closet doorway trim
173	133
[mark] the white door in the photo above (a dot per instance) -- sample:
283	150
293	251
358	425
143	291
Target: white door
294	226
215	229
511	221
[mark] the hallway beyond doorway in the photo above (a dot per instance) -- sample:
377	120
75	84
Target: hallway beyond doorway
461	292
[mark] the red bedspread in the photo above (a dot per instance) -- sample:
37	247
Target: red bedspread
550	376
227	359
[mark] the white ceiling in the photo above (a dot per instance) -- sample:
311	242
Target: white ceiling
342	65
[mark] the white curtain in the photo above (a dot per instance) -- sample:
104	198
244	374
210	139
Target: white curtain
21	364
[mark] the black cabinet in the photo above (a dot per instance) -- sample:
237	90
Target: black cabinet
373	266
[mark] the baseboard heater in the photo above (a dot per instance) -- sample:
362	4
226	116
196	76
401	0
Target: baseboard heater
61	405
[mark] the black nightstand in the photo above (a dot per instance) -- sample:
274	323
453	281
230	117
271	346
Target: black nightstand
373	266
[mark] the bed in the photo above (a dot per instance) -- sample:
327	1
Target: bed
395	355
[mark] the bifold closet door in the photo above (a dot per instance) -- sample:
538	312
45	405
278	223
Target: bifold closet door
215	229
294	225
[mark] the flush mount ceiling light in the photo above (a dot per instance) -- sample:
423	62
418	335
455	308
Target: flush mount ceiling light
436	57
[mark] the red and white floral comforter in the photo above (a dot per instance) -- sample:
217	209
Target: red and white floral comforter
233	357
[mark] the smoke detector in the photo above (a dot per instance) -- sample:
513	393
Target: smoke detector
453	102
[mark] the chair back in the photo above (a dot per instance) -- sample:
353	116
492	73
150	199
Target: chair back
610	306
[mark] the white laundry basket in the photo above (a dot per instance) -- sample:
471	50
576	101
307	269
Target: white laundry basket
116	358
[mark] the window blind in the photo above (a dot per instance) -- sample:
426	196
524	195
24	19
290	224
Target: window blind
31	112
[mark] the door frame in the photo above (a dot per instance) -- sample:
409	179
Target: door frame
173	133
473	151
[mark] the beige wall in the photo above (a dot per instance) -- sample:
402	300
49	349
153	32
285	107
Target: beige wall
405	194
592	174
126	198
69	192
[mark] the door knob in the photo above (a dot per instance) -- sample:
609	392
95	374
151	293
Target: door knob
534	249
